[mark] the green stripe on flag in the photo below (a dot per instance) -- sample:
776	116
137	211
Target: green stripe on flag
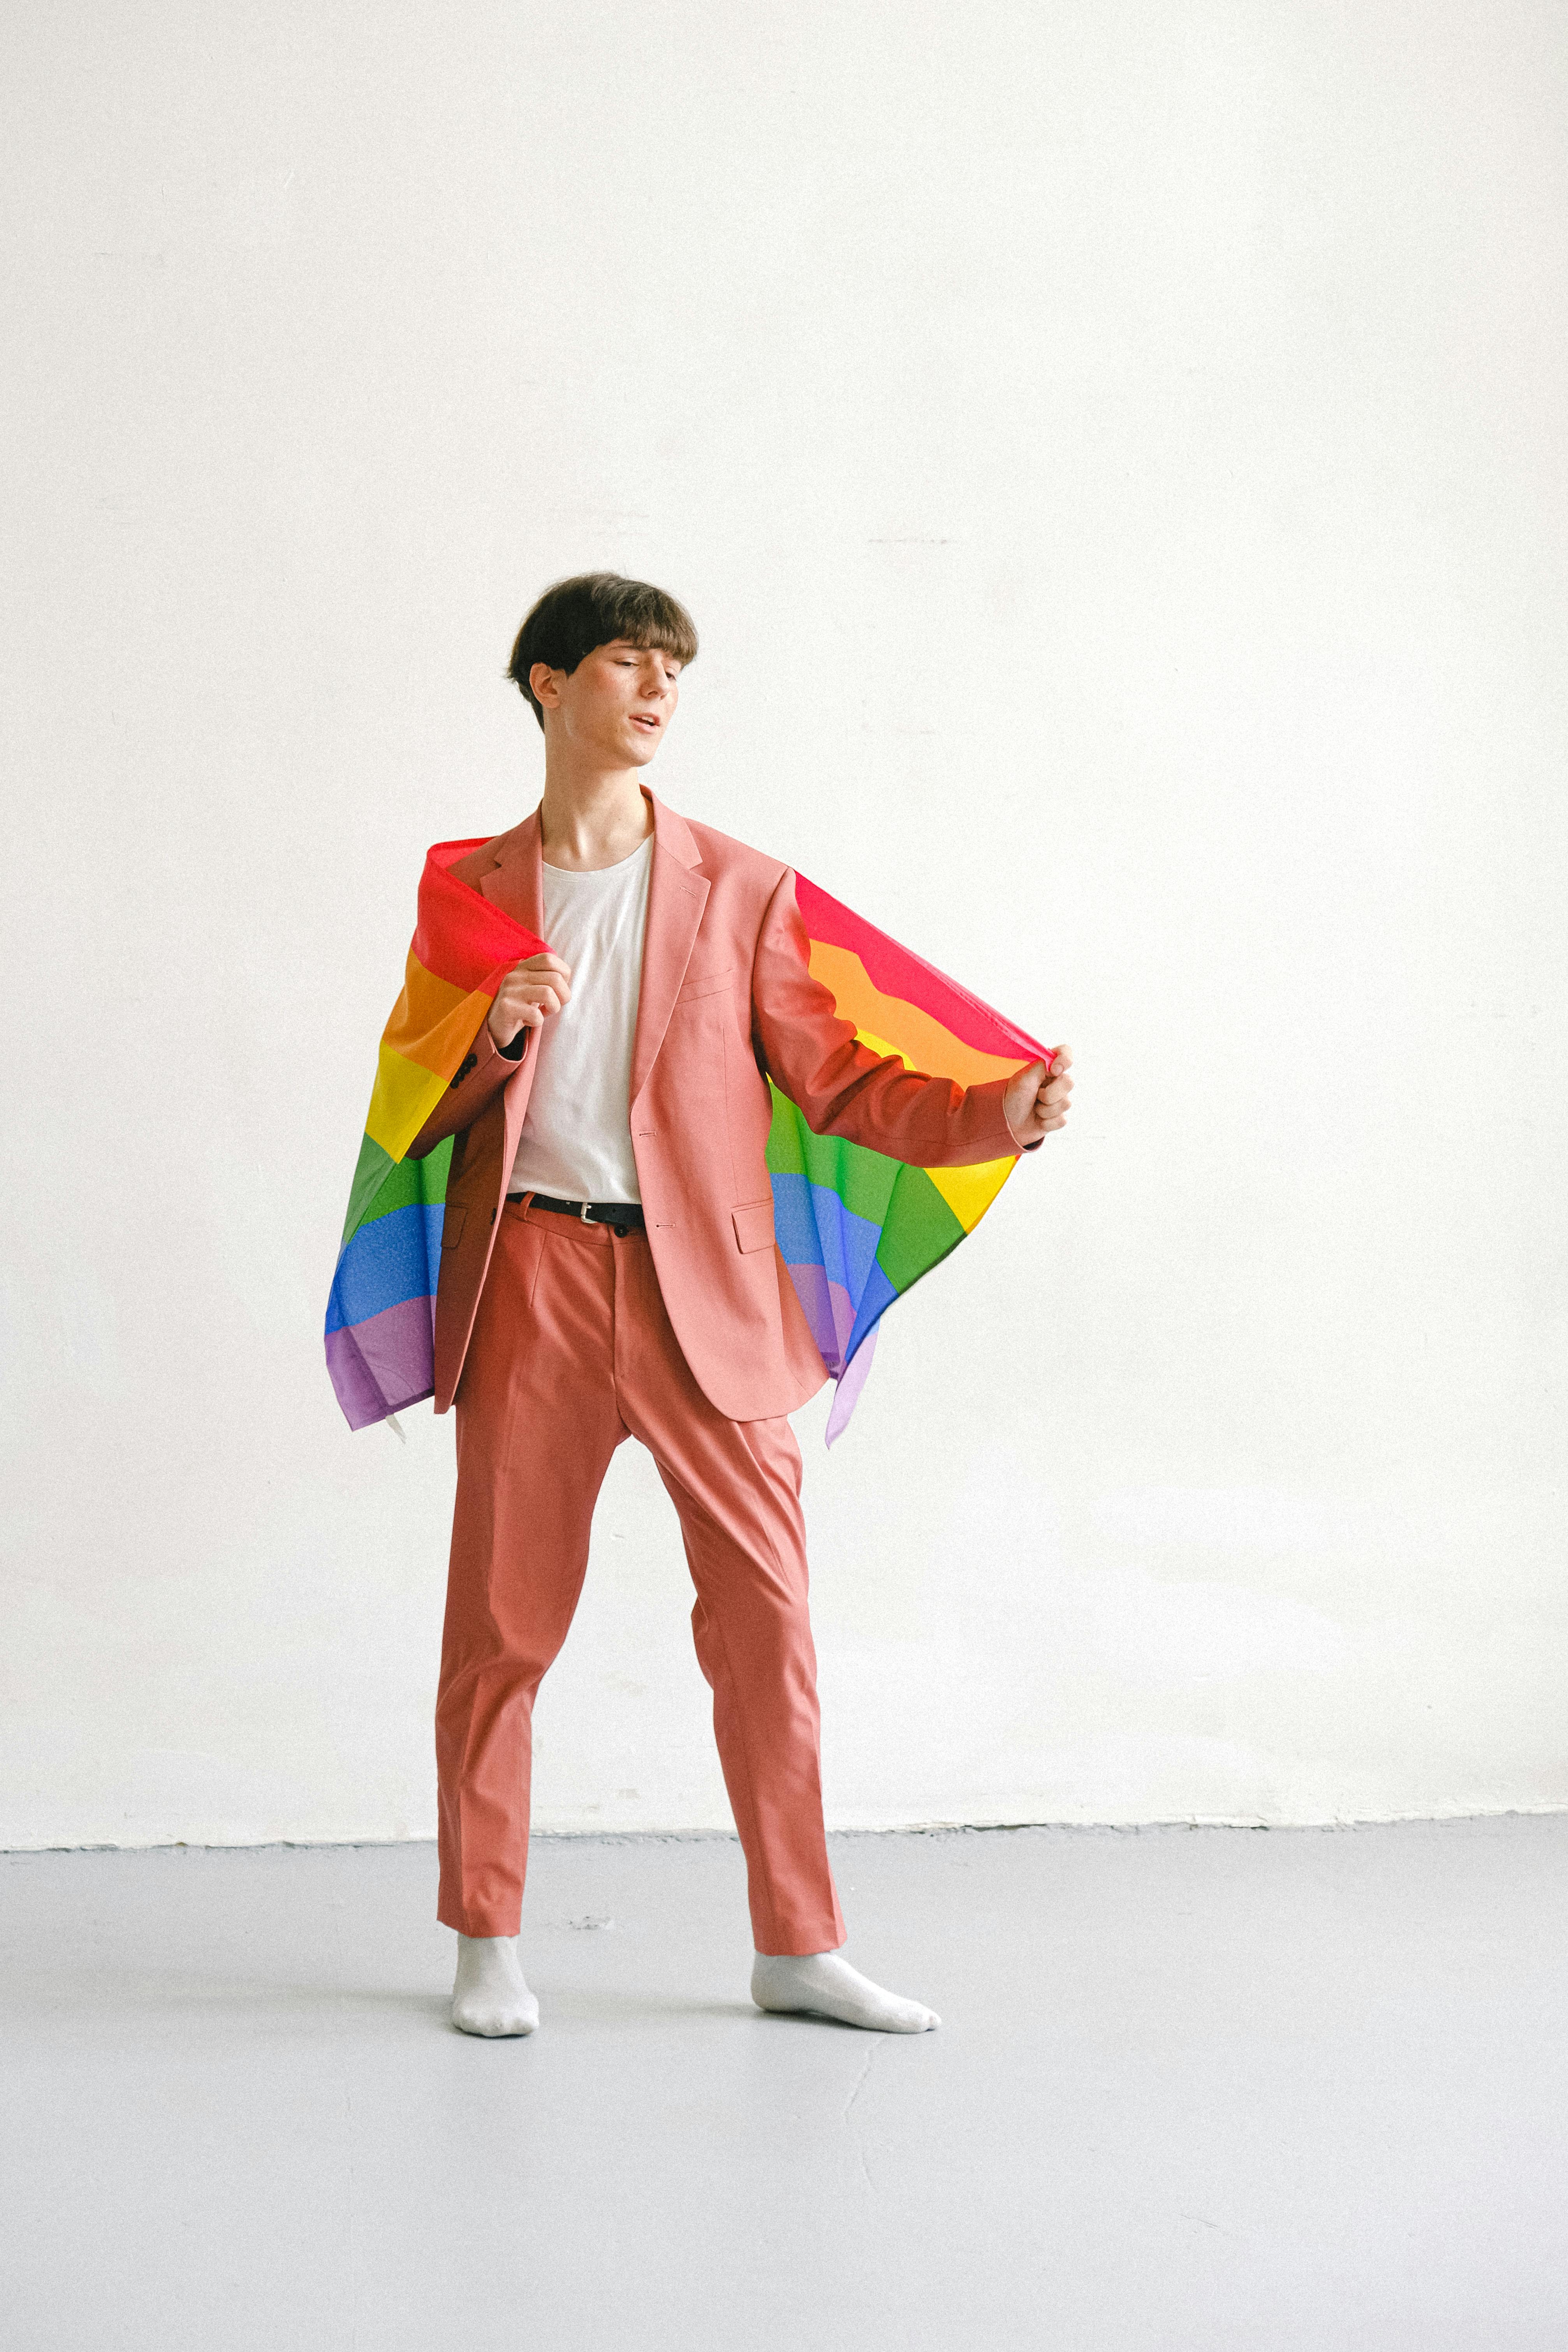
918	1231
413	1183
381	1183
863	1179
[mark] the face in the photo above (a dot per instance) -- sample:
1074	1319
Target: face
615	704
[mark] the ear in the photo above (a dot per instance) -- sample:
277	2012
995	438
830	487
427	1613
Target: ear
546	685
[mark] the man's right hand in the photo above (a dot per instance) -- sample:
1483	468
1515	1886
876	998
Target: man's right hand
528	994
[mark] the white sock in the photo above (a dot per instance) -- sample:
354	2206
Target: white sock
489	1996
823	1985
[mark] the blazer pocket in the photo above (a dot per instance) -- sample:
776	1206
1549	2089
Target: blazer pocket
452	1225
754	1225
706	983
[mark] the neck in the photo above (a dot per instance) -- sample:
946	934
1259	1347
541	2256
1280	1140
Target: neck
588	819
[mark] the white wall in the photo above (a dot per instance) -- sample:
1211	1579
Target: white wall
1113	454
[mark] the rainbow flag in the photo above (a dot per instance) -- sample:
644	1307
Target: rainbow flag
381	1316
857	1229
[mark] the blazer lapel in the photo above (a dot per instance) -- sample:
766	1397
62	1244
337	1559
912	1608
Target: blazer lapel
515	883
676	895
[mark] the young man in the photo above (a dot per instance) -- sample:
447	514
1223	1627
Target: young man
608	1270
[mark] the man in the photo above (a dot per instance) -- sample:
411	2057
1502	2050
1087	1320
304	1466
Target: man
608	1269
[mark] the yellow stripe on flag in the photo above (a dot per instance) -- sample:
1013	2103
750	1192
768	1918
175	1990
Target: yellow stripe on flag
433	1024
969	1191
403	1100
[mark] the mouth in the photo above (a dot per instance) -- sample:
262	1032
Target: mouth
648	726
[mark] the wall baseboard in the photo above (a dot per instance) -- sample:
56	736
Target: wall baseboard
902	1829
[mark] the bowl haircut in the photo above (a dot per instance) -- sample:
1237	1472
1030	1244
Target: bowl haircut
593	609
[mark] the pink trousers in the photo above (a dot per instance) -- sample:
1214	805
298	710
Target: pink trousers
573	1351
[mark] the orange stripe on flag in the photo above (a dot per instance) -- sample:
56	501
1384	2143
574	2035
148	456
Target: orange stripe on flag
425	1026
433	1024
921	1039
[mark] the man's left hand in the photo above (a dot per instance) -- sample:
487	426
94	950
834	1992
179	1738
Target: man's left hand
1037	1100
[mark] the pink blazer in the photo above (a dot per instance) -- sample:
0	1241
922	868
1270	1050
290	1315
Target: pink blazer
727	1000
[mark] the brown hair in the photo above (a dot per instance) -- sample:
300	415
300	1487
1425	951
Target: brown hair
593	609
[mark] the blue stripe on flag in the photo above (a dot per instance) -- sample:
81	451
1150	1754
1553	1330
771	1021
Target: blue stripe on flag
874	1302
391	1259
813	1227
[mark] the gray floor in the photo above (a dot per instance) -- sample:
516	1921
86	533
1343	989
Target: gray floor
1205	2088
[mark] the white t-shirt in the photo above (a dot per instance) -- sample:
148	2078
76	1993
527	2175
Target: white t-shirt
576	1140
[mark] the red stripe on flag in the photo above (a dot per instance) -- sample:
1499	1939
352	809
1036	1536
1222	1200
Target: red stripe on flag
897	973
459	936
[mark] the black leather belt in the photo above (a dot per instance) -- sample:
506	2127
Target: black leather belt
624	1215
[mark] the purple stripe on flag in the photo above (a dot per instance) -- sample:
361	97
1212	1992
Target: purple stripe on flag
847	1395
379	1366
829	1312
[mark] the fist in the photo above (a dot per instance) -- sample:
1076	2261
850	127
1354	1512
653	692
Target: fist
1037	1099
528	994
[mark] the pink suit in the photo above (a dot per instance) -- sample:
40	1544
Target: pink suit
556	1341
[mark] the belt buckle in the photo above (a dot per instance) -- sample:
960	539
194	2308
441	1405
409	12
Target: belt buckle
582	1209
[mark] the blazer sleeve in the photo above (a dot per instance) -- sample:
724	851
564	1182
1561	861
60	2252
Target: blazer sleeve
481	1074
842	1087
